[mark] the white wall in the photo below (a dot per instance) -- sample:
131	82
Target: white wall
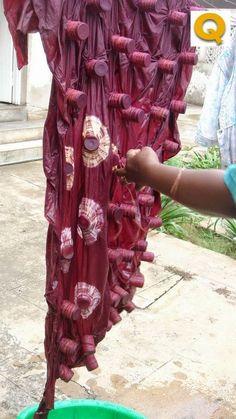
201	73
39	76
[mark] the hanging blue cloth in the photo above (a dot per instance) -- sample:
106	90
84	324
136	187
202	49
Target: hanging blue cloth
230	180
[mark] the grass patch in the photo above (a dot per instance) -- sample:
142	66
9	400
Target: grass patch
174	216
209	239
184	224
190	159
210	159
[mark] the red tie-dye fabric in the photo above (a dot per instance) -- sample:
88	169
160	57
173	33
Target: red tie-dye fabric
120	72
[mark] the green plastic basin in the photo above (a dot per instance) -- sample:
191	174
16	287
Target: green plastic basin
85	409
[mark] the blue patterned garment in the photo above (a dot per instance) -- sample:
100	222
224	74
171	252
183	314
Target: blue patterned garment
218	119
230	180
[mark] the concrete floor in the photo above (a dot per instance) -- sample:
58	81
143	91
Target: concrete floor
173	358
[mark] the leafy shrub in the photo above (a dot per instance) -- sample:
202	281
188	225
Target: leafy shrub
173	217
230	229
190	159
210	159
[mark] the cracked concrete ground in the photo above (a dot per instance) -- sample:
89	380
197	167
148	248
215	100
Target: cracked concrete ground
173	358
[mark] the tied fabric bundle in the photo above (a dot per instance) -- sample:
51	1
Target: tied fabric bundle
120	72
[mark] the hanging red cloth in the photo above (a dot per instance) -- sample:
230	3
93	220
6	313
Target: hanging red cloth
120	72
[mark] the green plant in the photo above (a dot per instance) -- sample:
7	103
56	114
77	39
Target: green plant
185	224
174	216
209	239
190	159
176	161
230	229
210	159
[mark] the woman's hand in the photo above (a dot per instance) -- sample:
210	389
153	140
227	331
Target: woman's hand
139	165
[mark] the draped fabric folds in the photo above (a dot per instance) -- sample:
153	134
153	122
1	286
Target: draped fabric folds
120	72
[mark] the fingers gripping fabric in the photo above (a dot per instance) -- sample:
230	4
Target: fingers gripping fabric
120	72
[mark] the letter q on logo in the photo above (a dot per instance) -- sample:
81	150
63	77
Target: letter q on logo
210	28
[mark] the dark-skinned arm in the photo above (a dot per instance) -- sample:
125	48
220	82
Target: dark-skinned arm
201	190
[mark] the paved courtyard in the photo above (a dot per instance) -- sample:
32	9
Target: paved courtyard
173	358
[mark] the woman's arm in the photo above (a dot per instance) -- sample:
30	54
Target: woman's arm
201	190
